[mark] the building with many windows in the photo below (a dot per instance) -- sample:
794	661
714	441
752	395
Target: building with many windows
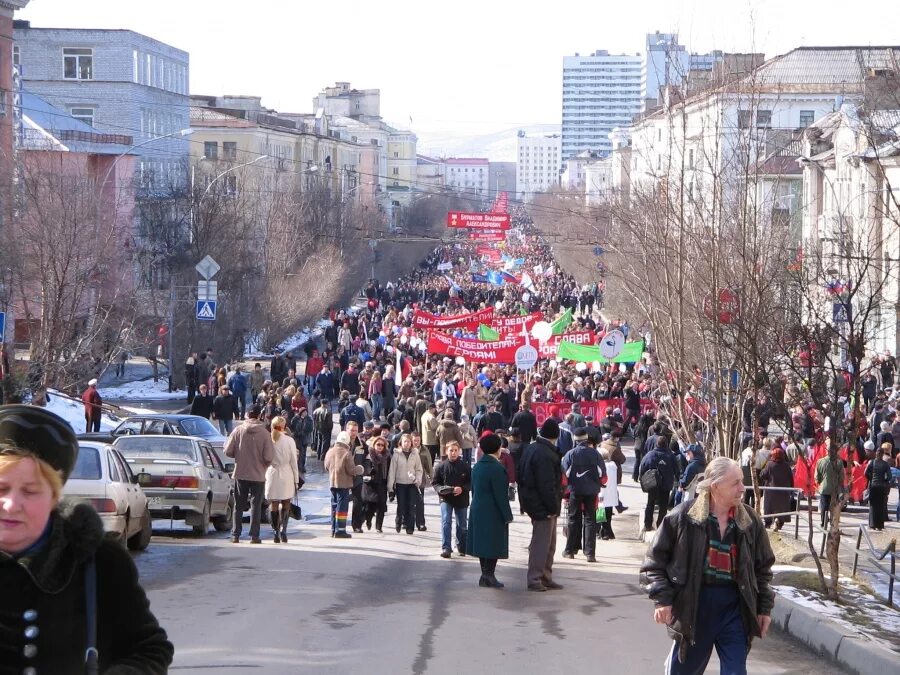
467	175
538	164
601	91
119	82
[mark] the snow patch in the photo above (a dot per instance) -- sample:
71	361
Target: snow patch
141	390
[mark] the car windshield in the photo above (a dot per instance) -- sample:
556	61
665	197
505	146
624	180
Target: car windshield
198	427
171	447
87	464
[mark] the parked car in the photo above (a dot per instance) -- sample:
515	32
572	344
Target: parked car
177	425
186	481
104	479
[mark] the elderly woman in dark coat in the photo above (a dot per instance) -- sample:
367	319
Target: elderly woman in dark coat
777	473
51	558
489	515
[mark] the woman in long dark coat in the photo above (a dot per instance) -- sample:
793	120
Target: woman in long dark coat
878	474
777	473
489	515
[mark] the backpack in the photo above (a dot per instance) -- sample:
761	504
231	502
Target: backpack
651	480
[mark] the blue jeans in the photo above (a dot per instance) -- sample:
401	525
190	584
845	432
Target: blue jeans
377	406
340	504
719	625
225	427
447	512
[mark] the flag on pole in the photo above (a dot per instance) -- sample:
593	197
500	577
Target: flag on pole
488	334
559	326
527	283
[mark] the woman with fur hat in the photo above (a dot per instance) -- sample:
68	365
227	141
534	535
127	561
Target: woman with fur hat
58	572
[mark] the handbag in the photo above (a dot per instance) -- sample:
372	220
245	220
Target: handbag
511	493
600	516
296	511
369	493
650	481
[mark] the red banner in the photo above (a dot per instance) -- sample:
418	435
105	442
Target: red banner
470	321
492	256
596	409
487	235
513	324
501	204
478	221
479	351
549	349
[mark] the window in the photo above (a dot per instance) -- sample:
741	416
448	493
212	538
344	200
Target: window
135	66
230	184
744	117
690	159
86	115
78	64
396	154
396	171
17	56
211	150
229	150
763	119
807	117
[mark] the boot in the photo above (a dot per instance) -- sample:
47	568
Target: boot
461	547
273	519
285	517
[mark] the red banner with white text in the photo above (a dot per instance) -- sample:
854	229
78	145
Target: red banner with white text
471	321
479	351
596	409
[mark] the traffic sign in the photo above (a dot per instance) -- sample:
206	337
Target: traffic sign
478	221
2	327
206	310
526	357
207	267
839	312
207	290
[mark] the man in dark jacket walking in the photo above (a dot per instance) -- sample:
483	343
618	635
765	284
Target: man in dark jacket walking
586	473
540	489
453	480
277	368
323	421
224	410
527	423
202	405
708	571
352	412
662	462
237	384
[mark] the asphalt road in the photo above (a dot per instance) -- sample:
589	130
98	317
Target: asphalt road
389	604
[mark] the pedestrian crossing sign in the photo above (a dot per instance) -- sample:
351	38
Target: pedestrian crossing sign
206	310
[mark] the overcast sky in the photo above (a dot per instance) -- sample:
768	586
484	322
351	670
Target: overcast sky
456	67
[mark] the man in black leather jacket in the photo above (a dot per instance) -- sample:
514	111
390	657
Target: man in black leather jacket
708	570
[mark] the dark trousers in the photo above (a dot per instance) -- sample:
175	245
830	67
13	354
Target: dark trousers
420	507
606	531
91	423
878	496
359	508
656	499
406	506
541	550
638	456
247	493
242	405
376	509
322	443
719	625
467	455
433	451
488	566
582	522
191	391
824	508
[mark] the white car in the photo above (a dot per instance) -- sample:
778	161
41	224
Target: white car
103	479
186	480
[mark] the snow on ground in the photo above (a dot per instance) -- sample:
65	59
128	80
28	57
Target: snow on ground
253	349
141	390
859	613
73	412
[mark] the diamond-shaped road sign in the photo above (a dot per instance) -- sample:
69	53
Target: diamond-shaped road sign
206	310
207	267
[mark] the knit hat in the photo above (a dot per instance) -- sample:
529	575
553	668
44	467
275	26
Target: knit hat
550	429
580	434
343	438
490	443
869	445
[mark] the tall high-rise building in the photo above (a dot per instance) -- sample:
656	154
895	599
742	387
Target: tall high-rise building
665	63
601	91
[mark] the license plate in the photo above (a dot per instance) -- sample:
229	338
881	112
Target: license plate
152	501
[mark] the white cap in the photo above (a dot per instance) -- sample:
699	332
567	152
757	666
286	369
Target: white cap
92	382
343	438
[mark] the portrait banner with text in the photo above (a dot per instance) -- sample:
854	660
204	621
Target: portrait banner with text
477	351
470	321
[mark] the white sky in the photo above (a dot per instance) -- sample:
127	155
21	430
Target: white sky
461	67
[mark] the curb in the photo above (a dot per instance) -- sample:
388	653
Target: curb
832	640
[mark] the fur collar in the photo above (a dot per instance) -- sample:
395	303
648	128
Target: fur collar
75	536
698	512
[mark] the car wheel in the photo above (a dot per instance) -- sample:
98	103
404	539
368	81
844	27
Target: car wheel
203	527
223	523
141	540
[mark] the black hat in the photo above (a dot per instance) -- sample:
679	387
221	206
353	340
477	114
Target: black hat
42	433
255	411
550	429
490	443
580	434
